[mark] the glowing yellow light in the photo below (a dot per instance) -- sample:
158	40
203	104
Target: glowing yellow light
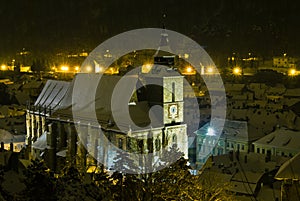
292	72
111	70
76	68
83	54
210	70
189	69
186	56
64	68
88	68
3	67
146	68
237	71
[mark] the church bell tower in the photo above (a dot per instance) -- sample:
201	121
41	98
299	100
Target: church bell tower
168	93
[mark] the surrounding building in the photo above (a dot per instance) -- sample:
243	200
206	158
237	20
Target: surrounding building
284	61
289	175
11	142
33	88
234	137
249	176
281	142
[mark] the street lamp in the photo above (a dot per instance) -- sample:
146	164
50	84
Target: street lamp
210	70
13	64
88	69
292	72
189	69
64	68
237	71
77	68
3	67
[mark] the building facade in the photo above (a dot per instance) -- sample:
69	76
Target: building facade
234	137
281	142
284	61
55	134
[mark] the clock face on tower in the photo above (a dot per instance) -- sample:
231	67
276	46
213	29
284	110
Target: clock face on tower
173	110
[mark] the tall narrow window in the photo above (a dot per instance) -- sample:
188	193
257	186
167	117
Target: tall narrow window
128	143
141	146
120	143
173	91
157	144
150	145
174	139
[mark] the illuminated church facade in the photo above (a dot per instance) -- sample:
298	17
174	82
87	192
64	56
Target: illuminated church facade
55	135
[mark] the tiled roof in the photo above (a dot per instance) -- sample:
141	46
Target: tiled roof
90	100
237	130
281	138
290	169
52	94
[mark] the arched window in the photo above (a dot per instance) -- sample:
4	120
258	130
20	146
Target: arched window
174	139
141	146
157	144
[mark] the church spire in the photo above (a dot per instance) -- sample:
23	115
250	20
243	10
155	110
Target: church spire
163	42
164	17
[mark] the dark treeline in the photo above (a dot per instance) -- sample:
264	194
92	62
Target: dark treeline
172	181
223	26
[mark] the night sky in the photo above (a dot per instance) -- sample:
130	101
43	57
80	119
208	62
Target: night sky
223	26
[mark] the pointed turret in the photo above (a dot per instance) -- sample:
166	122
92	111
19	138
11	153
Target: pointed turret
164	55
